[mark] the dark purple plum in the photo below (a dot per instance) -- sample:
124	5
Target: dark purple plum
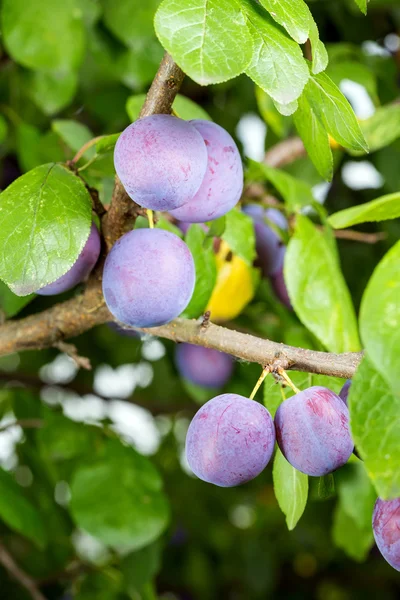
148	277
121	331
312	431
222	185
81	268
280	289
386	528
161	161
269	246
203	366
230	440
344	392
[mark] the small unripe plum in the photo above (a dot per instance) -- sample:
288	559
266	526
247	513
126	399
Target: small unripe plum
386	528
269	246
280	289
79	270
222	185
344	392
230	440
161	161
203	366
148	277
312	431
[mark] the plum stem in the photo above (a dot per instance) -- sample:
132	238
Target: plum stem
286	377
150	218
263	375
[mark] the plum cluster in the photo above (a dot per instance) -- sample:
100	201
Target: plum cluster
311	429
231	440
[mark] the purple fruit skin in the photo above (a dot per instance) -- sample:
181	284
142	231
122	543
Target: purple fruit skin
280	289
148	277
161	161
344	392
312	431
80	270
270	248
222	185
386	528
121	331
230	440
203	366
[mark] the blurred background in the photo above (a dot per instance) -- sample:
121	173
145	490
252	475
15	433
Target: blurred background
219	543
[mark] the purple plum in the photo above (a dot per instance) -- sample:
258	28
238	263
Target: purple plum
148	277
386	528
269	246
312	431
80	269
280	289
344	392
203	366
230	440
161	161
121	331
185	226
222	185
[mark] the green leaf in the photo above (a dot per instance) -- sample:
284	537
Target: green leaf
375	426
349	537
380	317
286	109
239	235
62	439
45	219
358	72
362	5
51	91
130	21
118	498
357	494
317	289
163	223
209	39
42	34
10	304
293	15
295	192
335	112
74	134
315	138
106	143
270	113
18	513
291	489
140	567
206	271
326	486
216	227
381	209
278	66
319	53
184	107
383	127
272	395
99	585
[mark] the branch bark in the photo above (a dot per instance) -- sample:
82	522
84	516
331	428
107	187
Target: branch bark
19	575
84	311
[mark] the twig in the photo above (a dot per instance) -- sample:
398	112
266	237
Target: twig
85	147
82	361
285	152
359	236
24	423
18	574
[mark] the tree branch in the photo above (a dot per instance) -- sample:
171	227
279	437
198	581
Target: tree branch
84	311
18	574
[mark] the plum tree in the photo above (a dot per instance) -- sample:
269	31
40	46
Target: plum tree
230	440
148	277
161	161
386	528
312	431
222	185
203	366
269	246
344	392
80	269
